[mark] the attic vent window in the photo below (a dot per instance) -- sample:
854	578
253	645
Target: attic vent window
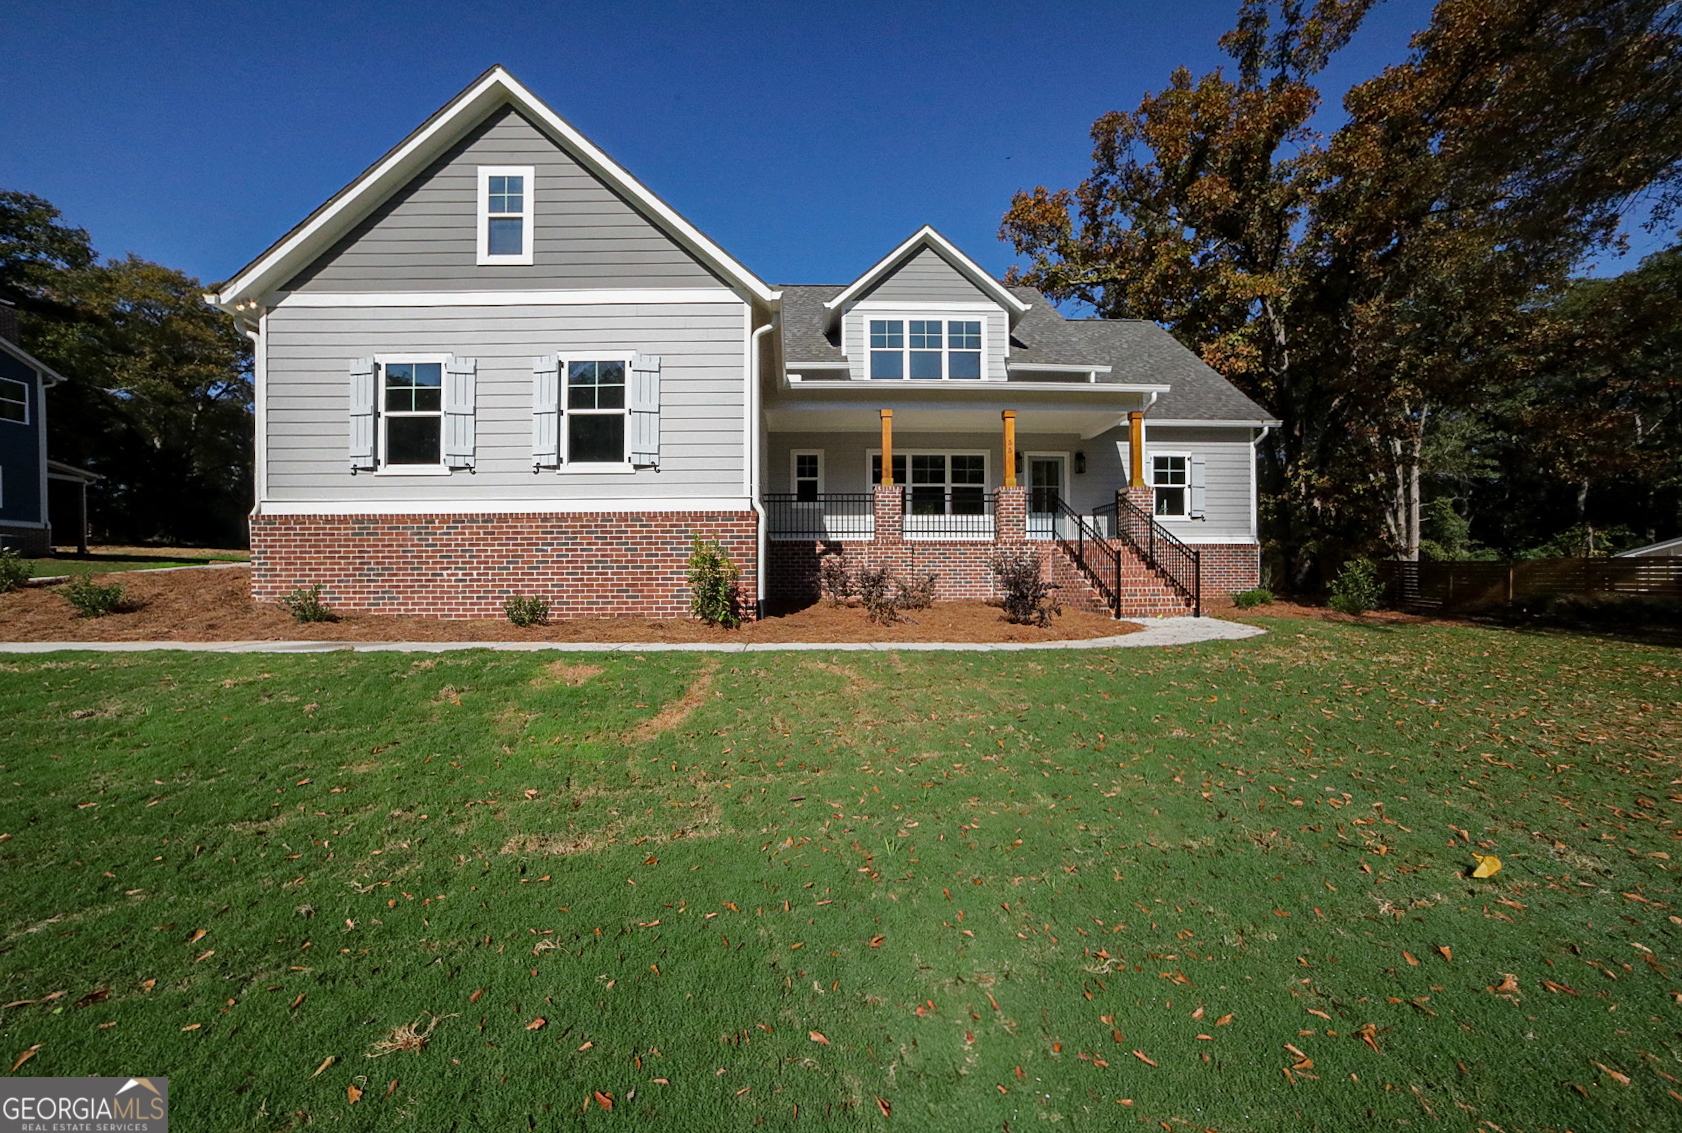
505	214
925	349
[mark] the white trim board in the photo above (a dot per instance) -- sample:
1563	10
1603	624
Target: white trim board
482	222
927	237
500	298
629	504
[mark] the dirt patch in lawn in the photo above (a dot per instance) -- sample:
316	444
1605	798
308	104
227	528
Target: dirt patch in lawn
216	605
677	711
1287	609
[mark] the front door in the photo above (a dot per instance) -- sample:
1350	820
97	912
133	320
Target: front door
1045	489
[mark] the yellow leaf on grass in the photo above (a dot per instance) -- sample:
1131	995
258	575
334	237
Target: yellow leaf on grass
1488	865
817	1037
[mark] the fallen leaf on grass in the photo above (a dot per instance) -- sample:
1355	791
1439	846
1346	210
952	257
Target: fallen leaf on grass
587	1045
1140	1055
817	1037
1224	1020
1621	1079
1368	1033
196	1026
474	998
883	1106
354	1094
1409	957
1198	1014
876	942
1448	953
98	995
297	1001
536	1023
325	1063
1558	987
204	955
25	1057
198	935
603	1100
1322	1014
407	1037
1509	983
1488	865
391	1089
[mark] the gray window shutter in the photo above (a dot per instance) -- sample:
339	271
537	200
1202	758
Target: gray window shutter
362	385
459	374
545	412
645	411
1197	488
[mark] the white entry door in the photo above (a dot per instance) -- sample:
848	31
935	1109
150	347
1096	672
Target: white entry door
1047	484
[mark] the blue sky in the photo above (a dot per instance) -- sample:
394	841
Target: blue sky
807	139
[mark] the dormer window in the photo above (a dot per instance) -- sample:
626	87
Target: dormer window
925	349
505	212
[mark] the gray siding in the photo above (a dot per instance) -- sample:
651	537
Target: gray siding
1228	460
425	237
925	276
308	399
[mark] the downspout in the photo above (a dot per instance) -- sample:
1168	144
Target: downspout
752	476
259	398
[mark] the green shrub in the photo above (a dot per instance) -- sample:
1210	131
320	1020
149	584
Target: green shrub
305	605
712	584
1249	599
1028	597
532	611
14	570
1356	589
91	599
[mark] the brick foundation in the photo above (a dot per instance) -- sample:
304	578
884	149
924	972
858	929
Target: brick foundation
1227	569
464	566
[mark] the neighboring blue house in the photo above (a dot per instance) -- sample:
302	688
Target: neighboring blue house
24	381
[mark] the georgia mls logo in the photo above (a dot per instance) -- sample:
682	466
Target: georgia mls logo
84	1105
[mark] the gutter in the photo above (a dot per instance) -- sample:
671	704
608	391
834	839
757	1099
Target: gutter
751	472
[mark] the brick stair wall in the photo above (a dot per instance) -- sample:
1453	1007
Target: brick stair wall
1143	593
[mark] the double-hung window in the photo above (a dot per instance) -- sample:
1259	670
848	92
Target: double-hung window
1170	479
808	476
505	214
14	401
412	412
925	349
939	483
595	412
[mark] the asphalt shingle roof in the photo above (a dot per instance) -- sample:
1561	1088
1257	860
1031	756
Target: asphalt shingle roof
1137	352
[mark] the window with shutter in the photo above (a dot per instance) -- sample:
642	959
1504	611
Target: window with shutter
645	411
362	414
545	412
460	378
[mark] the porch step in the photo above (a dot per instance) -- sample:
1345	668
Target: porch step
1144	594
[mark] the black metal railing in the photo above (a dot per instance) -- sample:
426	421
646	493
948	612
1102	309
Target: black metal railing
947	513
825	517
1174	562
1100	562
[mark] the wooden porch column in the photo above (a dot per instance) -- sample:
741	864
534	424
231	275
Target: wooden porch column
1009	416
1136	449
887	448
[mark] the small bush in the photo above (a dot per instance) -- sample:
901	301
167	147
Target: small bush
1028	599
532	611
305	605
712	584
14	570
915	595
837	580
877	590
1249	599
91	599
1356	589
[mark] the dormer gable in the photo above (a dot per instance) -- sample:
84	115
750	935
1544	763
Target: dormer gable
926	267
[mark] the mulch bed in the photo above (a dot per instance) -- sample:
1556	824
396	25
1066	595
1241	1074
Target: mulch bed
216	605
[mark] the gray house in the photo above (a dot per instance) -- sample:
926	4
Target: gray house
24	524
496	363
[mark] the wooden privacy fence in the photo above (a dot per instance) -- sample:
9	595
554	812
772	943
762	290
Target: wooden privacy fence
1462	585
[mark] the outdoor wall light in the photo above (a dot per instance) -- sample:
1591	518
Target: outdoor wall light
1080	464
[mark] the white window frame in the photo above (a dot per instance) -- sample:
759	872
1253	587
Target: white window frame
564	441
945	318
794	456
987	488
384	467
482	217
24	386
1151	459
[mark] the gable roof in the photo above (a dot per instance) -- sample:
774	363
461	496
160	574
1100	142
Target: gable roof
49	376
926	237
373	186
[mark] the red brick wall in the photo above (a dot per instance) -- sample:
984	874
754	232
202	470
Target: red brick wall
463	566
1227	569
32	541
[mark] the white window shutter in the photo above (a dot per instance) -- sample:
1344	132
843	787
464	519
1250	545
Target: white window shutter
362	385
645	411
545	412
459	375
1197	488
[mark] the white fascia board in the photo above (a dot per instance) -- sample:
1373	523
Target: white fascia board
1222	423
989	386
927	237
396	169
1059	368
418	506
589	297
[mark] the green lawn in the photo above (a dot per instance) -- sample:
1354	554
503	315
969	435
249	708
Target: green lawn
994	885
130	558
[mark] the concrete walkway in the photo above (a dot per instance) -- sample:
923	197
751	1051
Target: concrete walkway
1157	631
